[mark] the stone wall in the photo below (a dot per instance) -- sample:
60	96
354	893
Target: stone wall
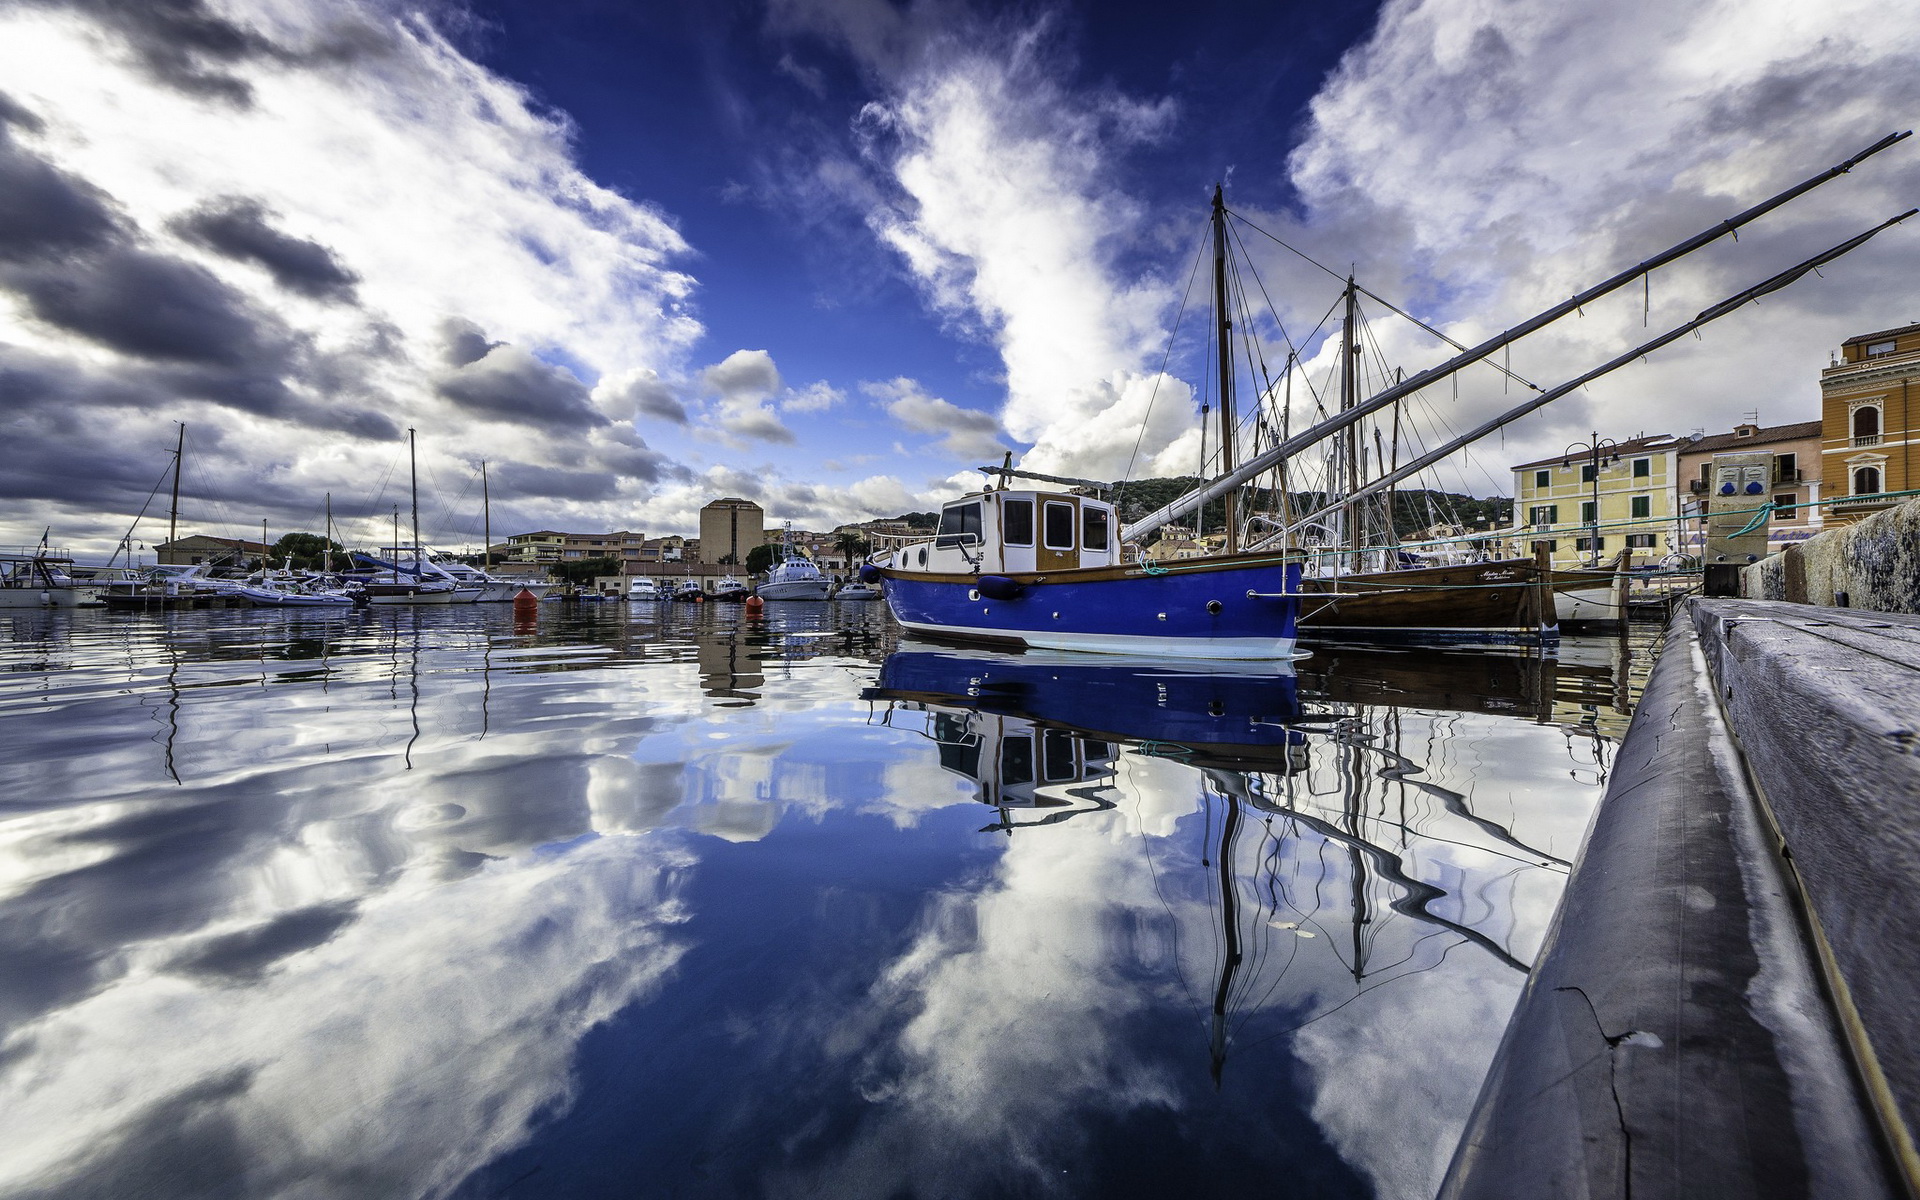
1873	565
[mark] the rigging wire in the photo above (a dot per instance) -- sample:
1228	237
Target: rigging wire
1166	357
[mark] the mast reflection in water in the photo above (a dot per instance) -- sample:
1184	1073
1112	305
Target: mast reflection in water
405	902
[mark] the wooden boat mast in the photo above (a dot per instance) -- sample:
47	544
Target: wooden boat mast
486	521
173	513
1350	534
413	479
1223	329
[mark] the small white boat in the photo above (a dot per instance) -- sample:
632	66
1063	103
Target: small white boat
689	589
731	588
857	591
644	591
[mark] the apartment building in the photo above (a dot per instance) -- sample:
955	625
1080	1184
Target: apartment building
1867	428
1795	488
1586	510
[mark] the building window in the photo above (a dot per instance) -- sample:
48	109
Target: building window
1785	501
1543	514
1589	512
1057	532
1590	543
1642	468
1876	349
1642	506
1866	425
1640	541
1016	518
1587	471
1866	481
1543	479
1786	468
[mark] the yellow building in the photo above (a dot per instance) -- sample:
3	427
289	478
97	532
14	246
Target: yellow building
1627	502
1867	428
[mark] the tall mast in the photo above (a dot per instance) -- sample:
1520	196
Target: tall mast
1414	383
413	476
1351	447
1223	326
486	520
326	540
173	514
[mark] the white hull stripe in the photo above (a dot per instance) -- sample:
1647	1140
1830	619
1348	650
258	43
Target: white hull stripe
1108	643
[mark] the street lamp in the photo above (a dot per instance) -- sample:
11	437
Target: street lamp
1598	452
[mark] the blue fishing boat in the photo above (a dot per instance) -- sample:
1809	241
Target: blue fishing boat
1044	569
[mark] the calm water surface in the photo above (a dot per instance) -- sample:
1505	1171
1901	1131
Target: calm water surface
421	903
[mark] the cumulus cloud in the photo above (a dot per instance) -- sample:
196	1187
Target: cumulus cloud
304	230
816	397
1482	162
1006	208
964	432
744	384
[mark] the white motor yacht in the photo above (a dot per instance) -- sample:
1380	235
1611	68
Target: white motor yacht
30	581
797	578
644	591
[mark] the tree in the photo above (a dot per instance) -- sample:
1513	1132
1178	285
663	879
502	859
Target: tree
585	570
852	545
308	551
760	558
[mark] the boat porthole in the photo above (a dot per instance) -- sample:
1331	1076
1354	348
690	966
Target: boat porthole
923	556
1214	607
973	593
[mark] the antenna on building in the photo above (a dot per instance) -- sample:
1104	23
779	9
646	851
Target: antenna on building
1753	416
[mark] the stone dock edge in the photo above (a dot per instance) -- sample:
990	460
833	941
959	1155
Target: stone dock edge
1680	1035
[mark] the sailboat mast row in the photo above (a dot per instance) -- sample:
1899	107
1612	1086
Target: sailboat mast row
1231	480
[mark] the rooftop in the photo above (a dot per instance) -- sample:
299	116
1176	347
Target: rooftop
1881	335
1761	436
1646	441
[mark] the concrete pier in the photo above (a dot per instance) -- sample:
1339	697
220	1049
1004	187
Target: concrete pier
1725	1005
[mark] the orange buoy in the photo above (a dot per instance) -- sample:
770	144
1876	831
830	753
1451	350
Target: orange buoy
755	606
699	598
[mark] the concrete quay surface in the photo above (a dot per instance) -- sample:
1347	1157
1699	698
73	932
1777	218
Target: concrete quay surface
1724	1006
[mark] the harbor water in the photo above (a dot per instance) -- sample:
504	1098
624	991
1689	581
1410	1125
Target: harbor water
676	901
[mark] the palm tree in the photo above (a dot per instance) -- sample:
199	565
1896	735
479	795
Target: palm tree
851	545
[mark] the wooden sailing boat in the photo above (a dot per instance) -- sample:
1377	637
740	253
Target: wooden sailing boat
1508	600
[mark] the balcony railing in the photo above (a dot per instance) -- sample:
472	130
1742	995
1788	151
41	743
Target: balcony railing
1869	500
1866	439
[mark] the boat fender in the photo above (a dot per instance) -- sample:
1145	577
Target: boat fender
869	573
999	587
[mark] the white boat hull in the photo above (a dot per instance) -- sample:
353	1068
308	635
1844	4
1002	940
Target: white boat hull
413	598
1594	605
799	589
31	597
1237	649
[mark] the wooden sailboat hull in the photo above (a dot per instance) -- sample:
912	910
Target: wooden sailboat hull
1499	603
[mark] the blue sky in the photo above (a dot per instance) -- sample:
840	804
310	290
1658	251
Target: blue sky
832	254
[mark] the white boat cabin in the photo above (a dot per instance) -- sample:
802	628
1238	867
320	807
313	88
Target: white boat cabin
1017	532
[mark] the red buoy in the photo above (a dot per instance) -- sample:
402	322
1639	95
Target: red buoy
526	605
755	606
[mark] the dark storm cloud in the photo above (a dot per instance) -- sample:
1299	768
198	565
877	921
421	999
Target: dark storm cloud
511	385
183	44
521	480
187	46
238	228
45	213
630	456
147	305
464	342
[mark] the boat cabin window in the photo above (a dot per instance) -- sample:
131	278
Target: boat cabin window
1059	530
1016	761
1016	522
1093	528
959	526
